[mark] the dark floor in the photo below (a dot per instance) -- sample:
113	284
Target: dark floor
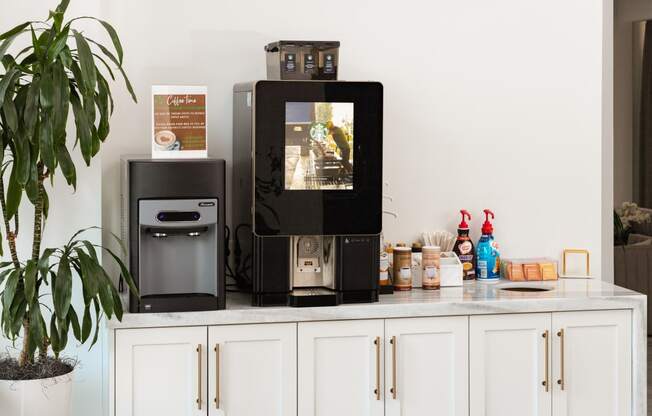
649	374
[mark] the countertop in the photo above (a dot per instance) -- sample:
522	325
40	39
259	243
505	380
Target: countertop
474	298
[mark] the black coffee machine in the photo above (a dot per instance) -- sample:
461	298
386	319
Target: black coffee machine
173	223
307	191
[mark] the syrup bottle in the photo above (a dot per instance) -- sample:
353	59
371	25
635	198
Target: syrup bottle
488	257
464	247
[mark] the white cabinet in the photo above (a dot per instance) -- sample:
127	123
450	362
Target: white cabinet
252	370
559	364
508	365
592	353
537	364
160	372
340	368
426	366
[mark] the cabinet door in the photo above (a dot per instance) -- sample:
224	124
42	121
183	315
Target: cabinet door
160	372
426	366
252	370
340	368
592	363
508	365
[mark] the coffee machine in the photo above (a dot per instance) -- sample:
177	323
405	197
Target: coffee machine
173	224
307	191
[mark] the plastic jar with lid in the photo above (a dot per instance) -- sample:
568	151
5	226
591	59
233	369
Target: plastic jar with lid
430	261
402	268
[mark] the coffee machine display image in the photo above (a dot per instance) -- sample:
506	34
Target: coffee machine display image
307	191
318	145
173	222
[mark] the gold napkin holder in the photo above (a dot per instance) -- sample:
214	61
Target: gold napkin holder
576	264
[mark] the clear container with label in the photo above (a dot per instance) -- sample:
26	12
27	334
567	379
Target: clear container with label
402	268
384	270
416	265
430	261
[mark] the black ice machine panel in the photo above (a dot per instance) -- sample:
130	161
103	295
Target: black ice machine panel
173	222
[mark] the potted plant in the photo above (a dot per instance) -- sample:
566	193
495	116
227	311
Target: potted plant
627	216
61	69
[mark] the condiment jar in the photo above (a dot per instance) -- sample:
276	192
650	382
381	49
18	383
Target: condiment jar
402	275
430	260
416	265
384	270
389	249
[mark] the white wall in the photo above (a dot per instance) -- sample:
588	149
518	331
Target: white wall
69	212
487	104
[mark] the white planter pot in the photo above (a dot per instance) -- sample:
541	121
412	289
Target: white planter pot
40	397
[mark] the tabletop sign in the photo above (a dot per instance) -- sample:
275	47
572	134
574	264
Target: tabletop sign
179	122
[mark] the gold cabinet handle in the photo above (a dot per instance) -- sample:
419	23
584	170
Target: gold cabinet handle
546	381
199	376
394	346
377	390
560	334
217	375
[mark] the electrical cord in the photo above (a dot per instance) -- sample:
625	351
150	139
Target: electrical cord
242	267
227	252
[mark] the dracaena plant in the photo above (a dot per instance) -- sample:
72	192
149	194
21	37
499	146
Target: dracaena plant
60	70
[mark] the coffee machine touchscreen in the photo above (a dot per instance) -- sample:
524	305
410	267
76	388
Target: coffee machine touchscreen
319	145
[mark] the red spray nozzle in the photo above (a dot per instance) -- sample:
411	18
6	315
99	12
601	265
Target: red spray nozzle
465	215
487	228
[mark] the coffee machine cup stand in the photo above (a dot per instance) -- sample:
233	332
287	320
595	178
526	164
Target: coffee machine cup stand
307	190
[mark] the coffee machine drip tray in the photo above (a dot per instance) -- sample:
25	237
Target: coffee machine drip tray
313	296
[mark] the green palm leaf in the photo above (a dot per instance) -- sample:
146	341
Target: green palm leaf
61	69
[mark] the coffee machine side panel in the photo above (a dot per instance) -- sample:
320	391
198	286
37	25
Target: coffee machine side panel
358	265
271	274
242	184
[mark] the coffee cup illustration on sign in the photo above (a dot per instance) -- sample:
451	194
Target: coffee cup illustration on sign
166	140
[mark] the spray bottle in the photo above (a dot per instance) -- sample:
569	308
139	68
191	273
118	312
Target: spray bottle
488	258
464	247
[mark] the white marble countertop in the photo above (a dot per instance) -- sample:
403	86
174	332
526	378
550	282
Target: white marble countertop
474	298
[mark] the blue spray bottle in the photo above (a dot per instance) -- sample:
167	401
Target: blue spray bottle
488	258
